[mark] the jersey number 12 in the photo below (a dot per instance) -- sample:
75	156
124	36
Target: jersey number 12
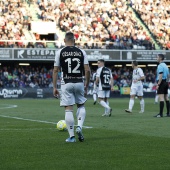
69	63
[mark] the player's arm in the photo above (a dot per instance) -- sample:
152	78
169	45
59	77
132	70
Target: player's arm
86	71
160	68
55	78
96	82
87	76
55	74
160	78
142	76
111	83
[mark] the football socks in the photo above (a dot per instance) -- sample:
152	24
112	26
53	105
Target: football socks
81	114
142	105
69	122
131	103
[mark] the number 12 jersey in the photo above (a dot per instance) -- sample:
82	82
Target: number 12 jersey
71	60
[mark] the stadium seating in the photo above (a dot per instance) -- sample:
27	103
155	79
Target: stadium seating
101	23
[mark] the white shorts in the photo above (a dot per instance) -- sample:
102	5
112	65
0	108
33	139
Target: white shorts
103	93
72	93
137	90
95	91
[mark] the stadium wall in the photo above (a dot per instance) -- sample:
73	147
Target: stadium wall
42	93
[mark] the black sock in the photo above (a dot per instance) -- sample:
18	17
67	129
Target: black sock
167	107
161	107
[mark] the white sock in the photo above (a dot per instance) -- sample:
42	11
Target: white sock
156	98
89	92
131	103
106	110
69	122
81	114
104	104
94	96
142	104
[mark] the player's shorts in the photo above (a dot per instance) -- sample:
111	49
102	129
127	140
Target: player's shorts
103	93
72	93
136	90
95	91
163	88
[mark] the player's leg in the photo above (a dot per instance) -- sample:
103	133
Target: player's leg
140	96
94	96
131	104
81	111
107	95
107	102
131	101
69	118
81	114
161	105
68	101
156	98
142	104
101	96
166	98
160	92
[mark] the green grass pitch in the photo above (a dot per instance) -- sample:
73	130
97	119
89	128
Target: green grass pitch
29	139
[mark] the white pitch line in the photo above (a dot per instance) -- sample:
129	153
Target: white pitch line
6	106
40	121
25	129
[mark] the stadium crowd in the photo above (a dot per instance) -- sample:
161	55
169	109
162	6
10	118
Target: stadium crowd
100	24
14	19
97	24
25	77
36	77
156	15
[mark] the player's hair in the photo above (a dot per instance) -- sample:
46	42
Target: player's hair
161	56
69	36
101	60
135	63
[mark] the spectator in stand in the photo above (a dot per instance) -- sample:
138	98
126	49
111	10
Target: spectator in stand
30	45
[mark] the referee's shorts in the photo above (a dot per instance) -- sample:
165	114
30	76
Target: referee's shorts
163	87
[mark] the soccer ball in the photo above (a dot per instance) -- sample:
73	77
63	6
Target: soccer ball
61	125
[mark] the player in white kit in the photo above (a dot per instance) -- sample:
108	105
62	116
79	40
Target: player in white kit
136	87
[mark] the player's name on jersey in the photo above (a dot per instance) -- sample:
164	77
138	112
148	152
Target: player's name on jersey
71	53
106	71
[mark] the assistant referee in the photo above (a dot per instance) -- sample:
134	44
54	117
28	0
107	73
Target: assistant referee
162	85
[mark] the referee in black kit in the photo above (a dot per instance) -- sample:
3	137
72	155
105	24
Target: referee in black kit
162	85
